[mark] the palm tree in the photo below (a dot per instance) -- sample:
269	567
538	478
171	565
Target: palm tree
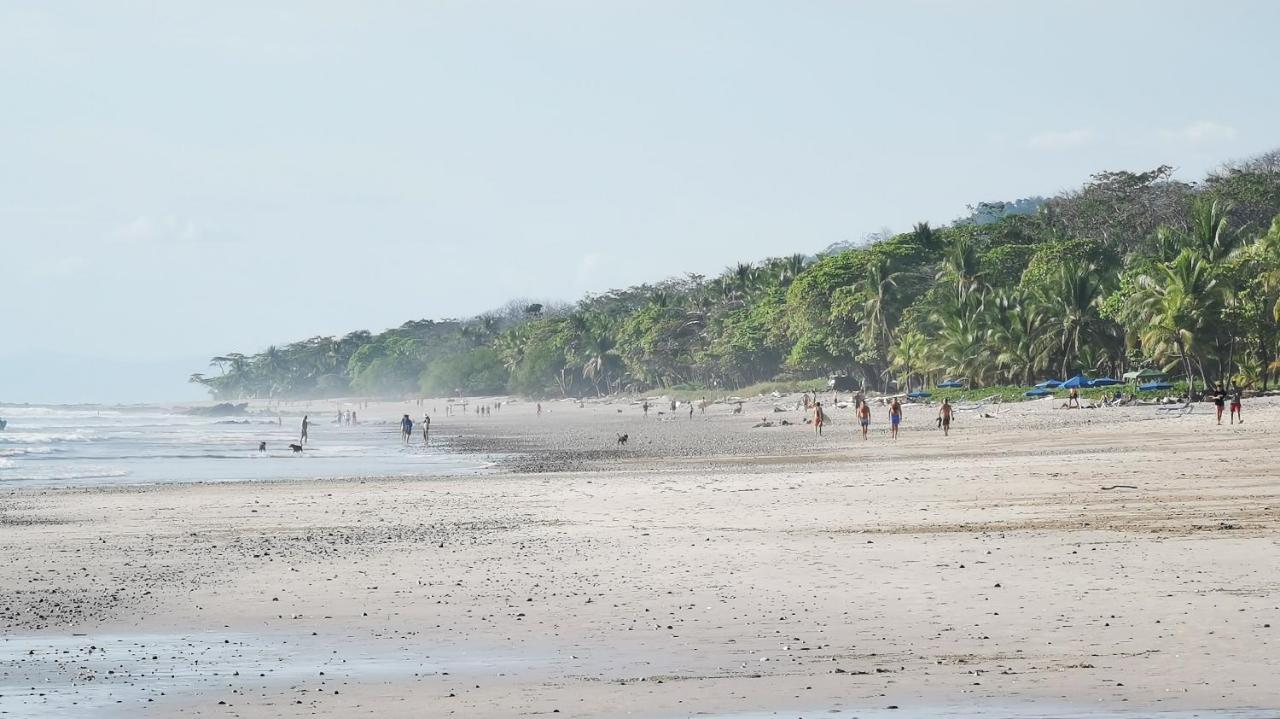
1072	302
960	265
1018	330
877	287
908	357
1179	301
789	268
510	346
599	351
1211	233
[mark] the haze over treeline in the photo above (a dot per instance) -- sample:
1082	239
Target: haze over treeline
1130	270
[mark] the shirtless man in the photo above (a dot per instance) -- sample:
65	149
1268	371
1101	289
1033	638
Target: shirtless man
818	417
895	417
864	418
944	414
305	423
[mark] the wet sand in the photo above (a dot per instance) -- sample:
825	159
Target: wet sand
707	567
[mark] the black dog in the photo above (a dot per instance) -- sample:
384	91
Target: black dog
262	447
622	440
297	448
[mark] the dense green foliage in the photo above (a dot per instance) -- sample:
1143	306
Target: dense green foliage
1131	270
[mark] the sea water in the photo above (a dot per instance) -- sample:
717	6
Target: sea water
79	446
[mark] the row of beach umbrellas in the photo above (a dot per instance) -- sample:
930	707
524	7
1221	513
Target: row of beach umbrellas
1080	381
1154	383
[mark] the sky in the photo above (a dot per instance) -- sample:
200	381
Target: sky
180	179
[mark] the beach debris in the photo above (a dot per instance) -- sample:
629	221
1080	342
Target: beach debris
1119	486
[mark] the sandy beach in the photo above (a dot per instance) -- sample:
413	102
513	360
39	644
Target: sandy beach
706	568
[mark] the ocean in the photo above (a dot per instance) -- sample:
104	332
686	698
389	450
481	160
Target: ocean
58	446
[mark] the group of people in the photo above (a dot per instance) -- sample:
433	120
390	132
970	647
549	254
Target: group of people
945	414
674	405
347	418
406	429
1220	396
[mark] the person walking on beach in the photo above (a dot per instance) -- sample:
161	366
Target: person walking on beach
1235	405
426	428
944	416
895	417
690	410
1219	400
305	424
864	418
818	417
406	428
539	409
645	406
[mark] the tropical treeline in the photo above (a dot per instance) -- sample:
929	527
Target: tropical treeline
1131	270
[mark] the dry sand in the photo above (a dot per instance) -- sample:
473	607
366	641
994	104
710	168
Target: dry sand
706	568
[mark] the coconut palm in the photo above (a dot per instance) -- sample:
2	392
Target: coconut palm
1072	301
877	288
1179	300
1018	328
909	357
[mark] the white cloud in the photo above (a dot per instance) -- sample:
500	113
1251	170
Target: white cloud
1203	131
1061	140
148	230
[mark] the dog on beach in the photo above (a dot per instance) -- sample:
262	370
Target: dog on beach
262	447
622	440
297	448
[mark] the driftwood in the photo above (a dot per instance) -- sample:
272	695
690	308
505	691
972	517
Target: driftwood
1120	486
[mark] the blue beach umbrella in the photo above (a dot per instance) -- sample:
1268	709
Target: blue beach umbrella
1075	382
1153	386
919	395
1037	393
1049	384
951	384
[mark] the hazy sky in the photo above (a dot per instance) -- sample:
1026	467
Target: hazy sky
182	179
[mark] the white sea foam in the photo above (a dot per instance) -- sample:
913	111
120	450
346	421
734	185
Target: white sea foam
55	446
41	437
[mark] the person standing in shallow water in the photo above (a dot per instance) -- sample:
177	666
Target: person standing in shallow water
426	428
305	424
406	428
